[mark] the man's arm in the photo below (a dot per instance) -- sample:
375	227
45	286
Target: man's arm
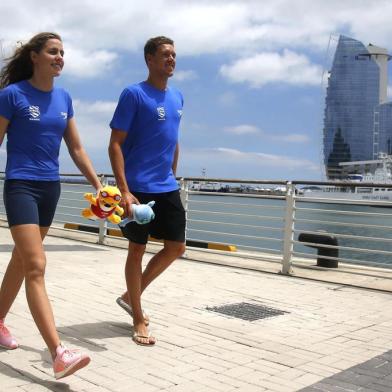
116	156
175	159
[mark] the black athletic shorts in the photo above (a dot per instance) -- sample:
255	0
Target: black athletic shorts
29	201
169	221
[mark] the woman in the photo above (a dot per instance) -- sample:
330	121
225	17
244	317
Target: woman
36	116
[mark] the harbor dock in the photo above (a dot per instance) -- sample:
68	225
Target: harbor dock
219	326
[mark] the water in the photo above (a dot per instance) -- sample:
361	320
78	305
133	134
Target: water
264	218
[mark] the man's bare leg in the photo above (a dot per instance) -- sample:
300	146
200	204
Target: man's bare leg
133	277
137	281
171	251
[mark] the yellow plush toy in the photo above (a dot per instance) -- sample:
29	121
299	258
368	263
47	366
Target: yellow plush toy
105	205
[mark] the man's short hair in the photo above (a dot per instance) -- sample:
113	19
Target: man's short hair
152	44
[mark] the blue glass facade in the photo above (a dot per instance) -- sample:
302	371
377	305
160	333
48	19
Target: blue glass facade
385	128
353	93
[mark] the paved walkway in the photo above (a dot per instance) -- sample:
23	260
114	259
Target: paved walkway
318	336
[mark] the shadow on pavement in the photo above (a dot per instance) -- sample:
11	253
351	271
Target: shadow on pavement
55	386
84	335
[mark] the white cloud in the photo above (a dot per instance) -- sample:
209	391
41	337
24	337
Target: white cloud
242	129
88	64
227	99
97	108
200	26
264	68
92	119
185	75
292	138
263	159
255	33
245	165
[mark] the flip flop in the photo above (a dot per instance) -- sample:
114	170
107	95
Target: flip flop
128	309
136	338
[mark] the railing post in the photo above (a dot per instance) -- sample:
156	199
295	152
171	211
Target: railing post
103	226
288	229
184	187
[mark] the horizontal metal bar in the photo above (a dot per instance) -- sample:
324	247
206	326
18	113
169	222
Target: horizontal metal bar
343	184
68	207
343	201
236	235
349	236
343	224
234	180
359	250
314	255
232	214
354	213
234	204
233	194
347	260
236	224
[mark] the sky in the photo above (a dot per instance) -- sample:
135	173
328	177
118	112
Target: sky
251	73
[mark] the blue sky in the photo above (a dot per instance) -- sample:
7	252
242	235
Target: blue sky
250	72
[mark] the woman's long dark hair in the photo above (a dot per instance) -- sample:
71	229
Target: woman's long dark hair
19	66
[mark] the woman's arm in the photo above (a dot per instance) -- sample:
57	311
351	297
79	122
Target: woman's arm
79	155
3	128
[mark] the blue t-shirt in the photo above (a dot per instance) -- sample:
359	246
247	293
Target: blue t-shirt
151	118
38	120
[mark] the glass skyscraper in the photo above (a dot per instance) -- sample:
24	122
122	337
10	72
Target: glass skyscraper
357	119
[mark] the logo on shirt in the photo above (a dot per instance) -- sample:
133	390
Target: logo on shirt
34	113
161	113
64	115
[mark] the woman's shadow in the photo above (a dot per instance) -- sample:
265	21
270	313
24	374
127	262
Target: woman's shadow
82	336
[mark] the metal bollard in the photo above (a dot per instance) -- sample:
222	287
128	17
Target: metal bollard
323	239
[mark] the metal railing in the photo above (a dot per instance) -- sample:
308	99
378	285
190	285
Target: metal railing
264	219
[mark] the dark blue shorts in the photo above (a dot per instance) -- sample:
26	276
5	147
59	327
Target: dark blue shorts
31	202
169	221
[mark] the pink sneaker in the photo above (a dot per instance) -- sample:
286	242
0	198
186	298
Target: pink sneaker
6	339
68	361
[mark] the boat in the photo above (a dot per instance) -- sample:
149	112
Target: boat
358	186
207	186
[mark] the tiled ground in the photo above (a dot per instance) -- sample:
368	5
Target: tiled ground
372	375
324	339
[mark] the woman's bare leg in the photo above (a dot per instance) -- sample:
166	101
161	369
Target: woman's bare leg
13	279
28	242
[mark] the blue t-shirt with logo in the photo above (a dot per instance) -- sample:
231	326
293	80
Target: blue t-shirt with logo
151	118
37	121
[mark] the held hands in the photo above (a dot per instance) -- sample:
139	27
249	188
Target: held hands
141	214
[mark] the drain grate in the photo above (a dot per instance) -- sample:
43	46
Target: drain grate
247	311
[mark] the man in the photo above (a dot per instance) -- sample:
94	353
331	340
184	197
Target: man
144	152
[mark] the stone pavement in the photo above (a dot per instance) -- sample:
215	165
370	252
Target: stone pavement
319	336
